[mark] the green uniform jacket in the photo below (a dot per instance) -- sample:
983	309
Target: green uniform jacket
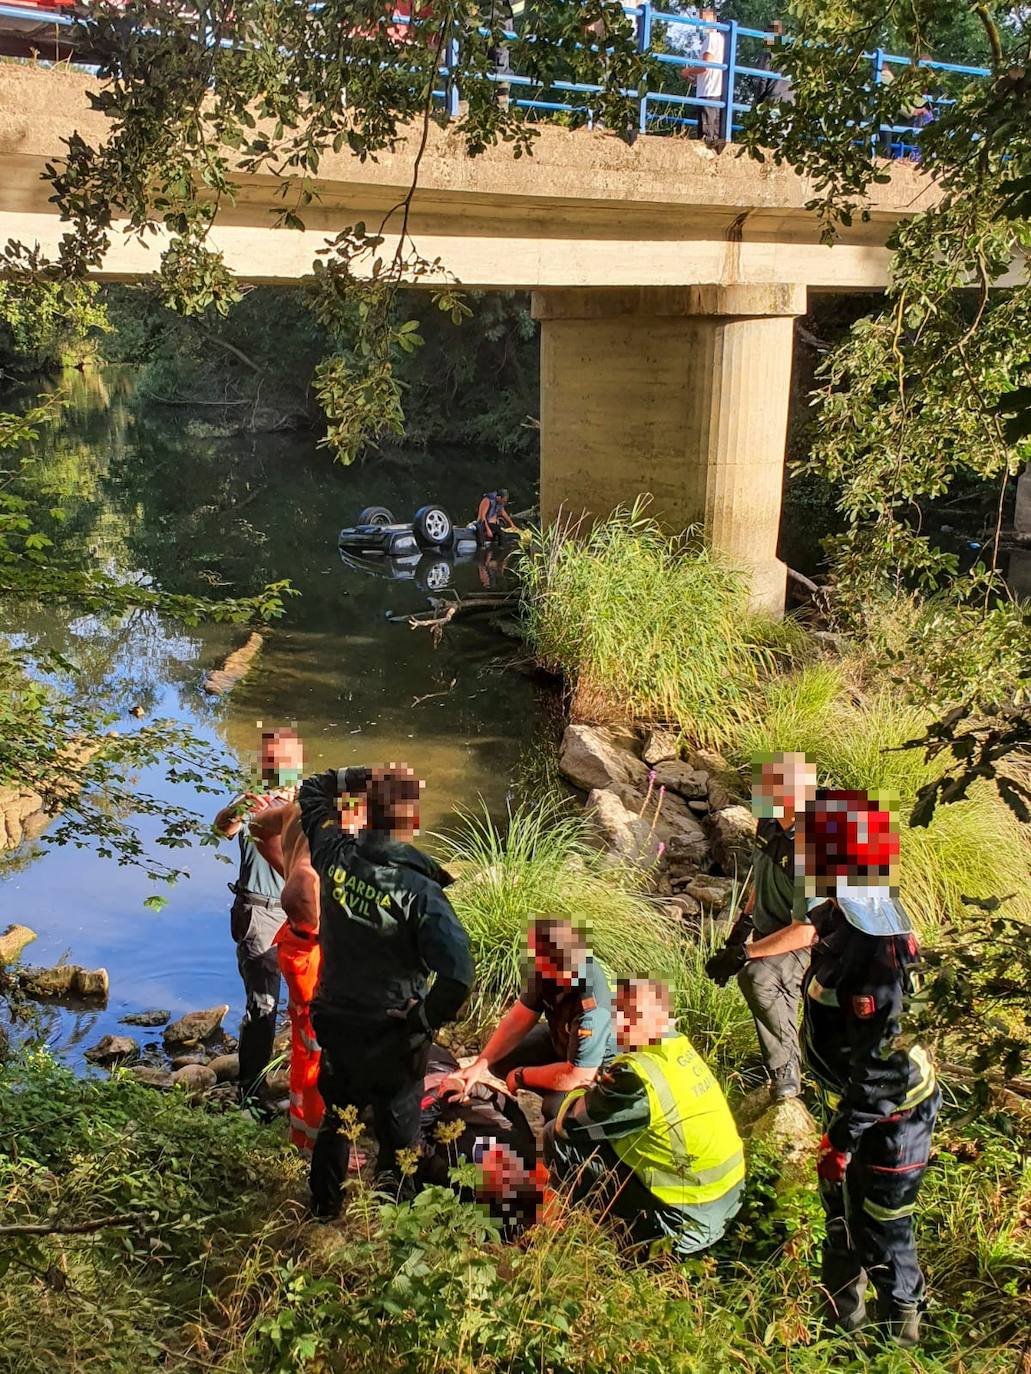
386	924
665	1116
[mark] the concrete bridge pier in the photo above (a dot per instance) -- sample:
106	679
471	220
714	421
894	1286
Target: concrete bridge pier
681	392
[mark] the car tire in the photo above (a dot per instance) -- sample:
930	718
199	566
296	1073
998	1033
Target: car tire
433	527
433	574
375	515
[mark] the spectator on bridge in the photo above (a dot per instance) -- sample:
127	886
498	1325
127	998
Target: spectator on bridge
772	90
709	82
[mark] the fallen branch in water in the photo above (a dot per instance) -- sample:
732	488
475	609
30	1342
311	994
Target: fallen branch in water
75	1228
417	701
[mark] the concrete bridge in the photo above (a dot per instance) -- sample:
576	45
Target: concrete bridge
666	278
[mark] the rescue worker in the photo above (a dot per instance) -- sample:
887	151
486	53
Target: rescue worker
879	1091
492	517
257	911
278	836
771	980
653	1140
384	926
570	990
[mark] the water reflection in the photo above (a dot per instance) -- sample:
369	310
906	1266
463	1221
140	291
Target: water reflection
197	514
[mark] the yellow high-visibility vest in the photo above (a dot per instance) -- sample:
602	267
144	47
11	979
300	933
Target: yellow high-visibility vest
690	1152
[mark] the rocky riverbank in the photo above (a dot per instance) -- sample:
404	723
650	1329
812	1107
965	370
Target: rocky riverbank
676	814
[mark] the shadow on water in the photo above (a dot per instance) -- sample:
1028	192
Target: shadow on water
205	516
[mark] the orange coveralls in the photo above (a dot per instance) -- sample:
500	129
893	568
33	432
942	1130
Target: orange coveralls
300	959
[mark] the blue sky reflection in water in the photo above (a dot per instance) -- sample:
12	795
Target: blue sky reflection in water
199	514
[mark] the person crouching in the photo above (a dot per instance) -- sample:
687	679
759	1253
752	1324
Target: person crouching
652	1140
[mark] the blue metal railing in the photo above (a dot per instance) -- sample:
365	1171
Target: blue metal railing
659	109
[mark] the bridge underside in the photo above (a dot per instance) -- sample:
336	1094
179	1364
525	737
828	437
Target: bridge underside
666	279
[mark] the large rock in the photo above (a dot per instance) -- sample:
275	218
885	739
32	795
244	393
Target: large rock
194	1026
225	1067
180	1061
113	1049
12	941
194	1078
64	980
711	891
687	782
592	757
641	837
788	1130
146	1018
151	1076
660	745
733	839
724	788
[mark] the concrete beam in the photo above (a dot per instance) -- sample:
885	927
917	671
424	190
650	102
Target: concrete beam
686	405
583	211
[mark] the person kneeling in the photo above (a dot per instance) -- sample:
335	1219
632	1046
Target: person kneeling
569	989
653	1140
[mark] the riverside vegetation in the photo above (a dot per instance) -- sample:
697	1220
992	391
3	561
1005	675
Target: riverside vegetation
205	1260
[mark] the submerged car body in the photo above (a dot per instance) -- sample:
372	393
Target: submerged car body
379	535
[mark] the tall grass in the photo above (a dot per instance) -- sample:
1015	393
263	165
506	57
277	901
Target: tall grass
974	848
540	864
647	628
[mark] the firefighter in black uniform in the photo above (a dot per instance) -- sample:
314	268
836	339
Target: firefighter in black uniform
385	925
878	1089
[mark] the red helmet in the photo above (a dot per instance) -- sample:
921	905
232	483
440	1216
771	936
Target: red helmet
848	835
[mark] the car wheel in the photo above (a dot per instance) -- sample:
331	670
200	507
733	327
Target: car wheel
432	526
375	515
434	574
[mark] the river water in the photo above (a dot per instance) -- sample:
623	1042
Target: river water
202	515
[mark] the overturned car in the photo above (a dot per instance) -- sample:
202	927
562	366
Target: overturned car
378	534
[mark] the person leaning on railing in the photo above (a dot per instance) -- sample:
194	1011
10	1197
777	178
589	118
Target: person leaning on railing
709	80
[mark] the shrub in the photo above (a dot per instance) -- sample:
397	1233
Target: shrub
974	848
648	628
220	1273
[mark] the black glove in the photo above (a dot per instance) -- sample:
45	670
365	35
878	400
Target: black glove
727	961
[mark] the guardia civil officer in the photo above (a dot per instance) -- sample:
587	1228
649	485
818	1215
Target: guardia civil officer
652	1141
385	925
770	977
879	1091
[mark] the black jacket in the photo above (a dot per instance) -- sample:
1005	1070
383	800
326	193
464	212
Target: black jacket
385	923
855	996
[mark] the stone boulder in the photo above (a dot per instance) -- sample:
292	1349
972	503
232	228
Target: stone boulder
112	1049
789	1132
276	1085
687	782
682	910
592	757
194	1078
712	892
660	746
146	1018
733	839
12	941
151	1076
621	828
194	1026
180	1061
724	786
225	1067
64	980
